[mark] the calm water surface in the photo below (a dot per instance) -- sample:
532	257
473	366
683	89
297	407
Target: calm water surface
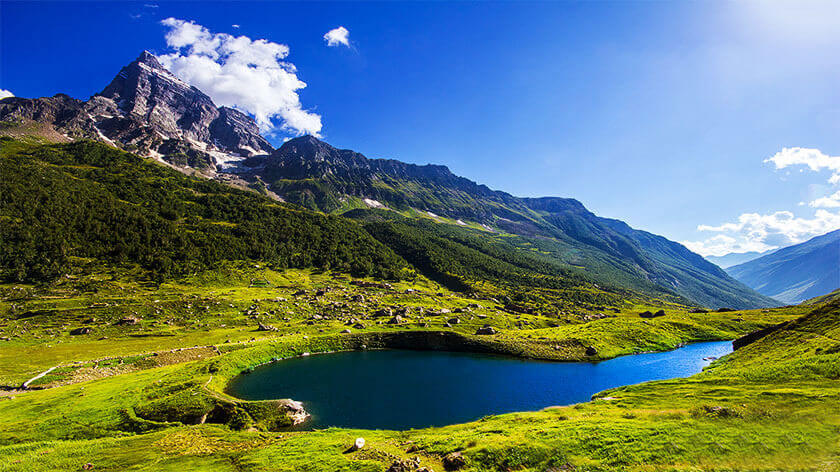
396	389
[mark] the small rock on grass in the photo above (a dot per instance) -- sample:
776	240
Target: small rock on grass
454	461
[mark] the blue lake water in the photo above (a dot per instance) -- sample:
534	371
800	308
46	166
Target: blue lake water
400	389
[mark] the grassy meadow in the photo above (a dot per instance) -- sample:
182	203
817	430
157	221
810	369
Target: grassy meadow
142	387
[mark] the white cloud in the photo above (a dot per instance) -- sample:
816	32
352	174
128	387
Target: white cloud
5	94
831	201
755	232
235	26
239	72
337	37
814	159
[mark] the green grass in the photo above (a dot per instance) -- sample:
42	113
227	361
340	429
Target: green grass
773	405
215	306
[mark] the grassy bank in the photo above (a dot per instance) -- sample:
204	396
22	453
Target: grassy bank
140	395
773	405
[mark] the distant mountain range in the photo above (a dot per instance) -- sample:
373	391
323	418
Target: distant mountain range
795	273
735	258
447	226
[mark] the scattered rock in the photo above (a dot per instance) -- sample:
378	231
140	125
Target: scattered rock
486	330
721	411
401	466
454	461
296	412
78	331
262	327
382	313
128	321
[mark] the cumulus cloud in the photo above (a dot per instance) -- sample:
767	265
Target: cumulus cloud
831	201
5	94
757	232
236	71
337	37
814	159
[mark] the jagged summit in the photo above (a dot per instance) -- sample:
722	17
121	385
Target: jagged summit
148	110
147	57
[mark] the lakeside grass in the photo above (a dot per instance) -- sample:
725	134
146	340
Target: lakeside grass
773	405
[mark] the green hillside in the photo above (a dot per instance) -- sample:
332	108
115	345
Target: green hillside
795	273
318	176
88	200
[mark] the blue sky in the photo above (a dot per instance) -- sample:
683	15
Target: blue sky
661	114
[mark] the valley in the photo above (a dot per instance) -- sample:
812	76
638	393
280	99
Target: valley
156	250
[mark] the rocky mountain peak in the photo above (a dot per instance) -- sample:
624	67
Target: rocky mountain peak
148	110
307	147
149	59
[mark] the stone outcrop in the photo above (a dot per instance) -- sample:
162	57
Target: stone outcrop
147	110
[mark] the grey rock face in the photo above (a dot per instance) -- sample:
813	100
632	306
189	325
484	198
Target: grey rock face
147	110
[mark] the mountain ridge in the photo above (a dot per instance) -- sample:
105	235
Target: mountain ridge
734	258
795	273
148	111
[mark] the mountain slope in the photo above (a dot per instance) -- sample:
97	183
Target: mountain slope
150	112
86	200
147	110
314	174
795	273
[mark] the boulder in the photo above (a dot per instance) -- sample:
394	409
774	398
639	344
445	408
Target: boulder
591	351
401	466
454	461
78	331
721	411
396	320
486	330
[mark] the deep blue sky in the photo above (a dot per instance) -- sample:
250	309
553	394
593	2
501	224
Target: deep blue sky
657	113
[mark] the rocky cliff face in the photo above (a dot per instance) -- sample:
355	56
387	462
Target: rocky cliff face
147	110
